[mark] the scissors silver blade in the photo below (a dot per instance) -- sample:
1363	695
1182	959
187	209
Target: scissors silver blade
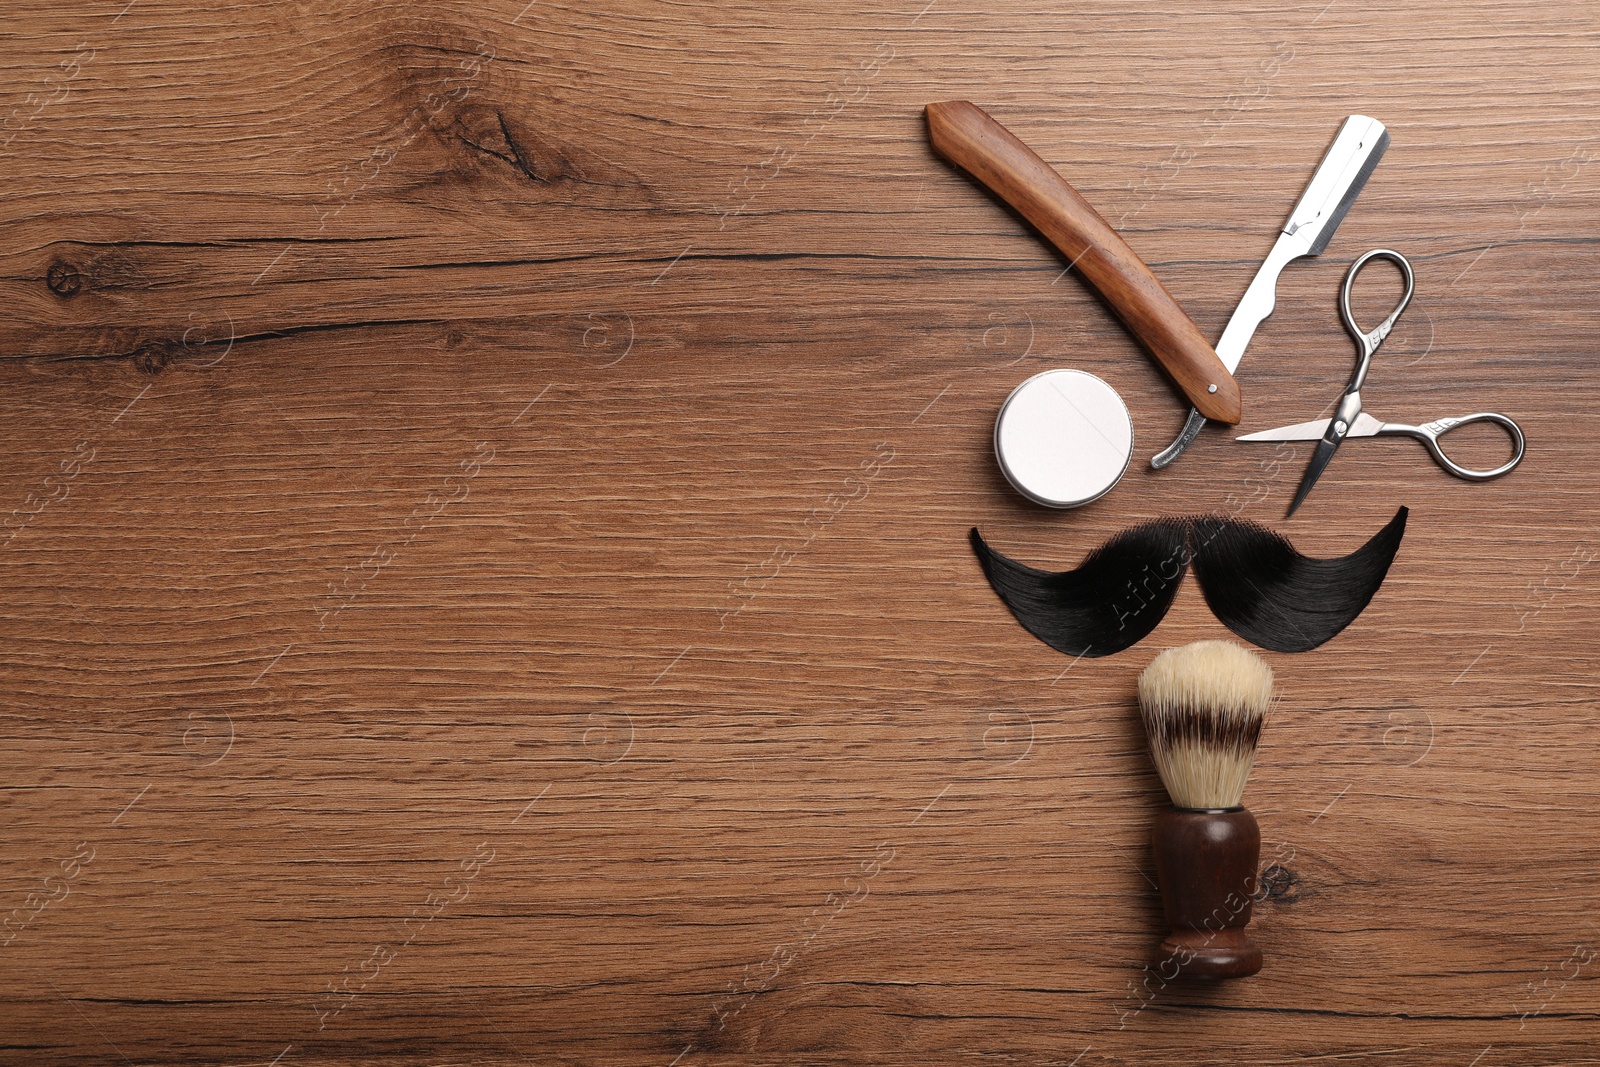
1364	426
1338	180
1319	463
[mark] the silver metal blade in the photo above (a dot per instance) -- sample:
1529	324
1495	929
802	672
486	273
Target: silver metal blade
1344	170
1314	469
1334	186
1364	426
1300	431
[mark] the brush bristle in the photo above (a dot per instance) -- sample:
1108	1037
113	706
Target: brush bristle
1203	707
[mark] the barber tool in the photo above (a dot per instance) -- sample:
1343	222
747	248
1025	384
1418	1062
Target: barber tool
1203	707
1349	420
1063	438
1254	581
963	134
1338	180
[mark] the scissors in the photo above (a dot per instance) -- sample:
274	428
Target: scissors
1350	421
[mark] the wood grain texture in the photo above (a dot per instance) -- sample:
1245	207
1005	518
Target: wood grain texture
486	580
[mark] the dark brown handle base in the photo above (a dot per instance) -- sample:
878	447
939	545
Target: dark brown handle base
1194	955
1206	864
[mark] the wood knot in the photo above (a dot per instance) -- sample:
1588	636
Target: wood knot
535	158
64	279
153	357
1278	883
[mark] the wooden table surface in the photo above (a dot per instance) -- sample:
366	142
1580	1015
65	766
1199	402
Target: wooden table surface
486	582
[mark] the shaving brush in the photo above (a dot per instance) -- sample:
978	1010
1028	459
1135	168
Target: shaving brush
1203	707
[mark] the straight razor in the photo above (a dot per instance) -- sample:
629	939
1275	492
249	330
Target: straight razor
1338	180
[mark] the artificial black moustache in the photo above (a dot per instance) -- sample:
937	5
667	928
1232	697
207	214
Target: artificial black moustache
1255	582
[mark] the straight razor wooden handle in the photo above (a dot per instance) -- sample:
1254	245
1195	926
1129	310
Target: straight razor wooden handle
965	135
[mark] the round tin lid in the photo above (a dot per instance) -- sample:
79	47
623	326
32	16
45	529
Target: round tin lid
1063	438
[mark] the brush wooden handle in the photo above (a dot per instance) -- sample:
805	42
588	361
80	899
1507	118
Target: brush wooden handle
1206	864
965	135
